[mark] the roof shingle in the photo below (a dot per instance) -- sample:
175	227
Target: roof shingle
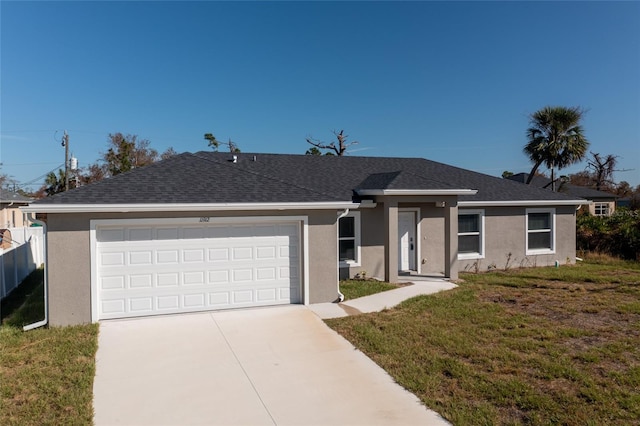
213	177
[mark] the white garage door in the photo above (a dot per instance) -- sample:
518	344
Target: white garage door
144	269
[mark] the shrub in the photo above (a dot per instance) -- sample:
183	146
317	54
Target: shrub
617	235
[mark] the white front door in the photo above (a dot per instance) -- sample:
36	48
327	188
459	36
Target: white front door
406	241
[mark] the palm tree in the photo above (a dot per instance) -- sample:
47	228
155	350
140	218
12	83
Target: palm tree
555	139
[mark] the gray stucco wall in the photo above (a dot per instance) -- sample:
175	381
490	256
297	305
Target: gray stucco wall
372	243
69	258
505	232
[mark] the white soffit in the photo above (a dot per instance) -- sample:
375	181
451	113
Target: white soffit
417	191
127	208
516	203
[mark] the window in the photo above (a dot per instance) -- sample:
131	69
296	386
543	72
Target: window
601	209
349	239
470	234
541	231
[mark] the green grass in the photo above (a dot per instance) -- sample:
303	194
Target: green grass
352	289
46	375
533	346
25	304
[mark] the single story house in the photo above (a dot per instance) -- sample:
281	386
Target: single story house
599	203
208	230
10	214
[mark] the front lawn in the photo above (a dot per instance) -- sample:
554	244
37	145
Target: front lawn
352	289
533	346
46	375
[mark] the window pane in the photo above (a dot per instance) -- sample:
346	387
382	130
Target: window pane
347	250
602	209
469	244
468	223
539	221
347	227
539	240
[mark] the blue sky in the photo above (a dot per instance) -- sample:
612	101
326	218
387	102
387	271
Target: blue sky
449	81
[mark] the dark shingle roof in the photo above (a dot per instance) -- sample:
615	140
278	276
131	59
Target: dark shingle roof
13	197
211	177
565	188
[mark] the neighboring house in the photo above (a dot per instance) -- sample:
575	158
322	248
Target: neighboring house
10	214
209	231
600	203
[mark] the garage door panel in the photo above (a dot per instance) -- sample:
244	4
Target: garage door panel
141	257
193	255
219	277
110	235
112	259
141	281
113	308
141	305
167	256
140	234
149	270
193	278
241	253
166	233
113	283
242	275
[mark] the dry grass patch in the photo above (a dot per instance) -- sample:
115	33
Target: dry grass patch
535	346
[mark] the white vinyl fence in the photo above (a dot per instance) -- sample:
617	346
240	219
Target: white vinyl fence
25	255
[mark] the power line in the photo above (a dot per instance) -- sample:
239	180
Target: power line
33	181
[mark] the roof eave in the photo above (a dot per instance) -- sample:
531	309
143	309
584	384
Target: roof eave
419	192
198	207
522	203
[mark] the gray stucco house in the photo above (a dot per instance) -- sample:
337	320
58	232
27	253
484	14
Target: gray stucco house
206	231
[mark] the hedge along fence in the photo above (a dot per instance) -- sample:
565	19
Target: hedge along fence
617	235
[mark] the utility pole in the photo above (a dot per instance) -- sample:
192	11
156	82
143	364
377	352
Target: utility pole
65	143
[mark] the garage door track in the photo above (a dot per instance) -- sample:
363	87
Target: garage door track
269	366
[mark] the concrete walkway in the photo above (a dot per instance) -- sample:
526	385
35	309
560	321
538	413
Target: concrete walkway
388	299
269	366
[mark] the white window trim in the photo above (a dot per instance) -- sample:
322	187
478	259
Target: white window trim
356	225
552	250
602	205
481	233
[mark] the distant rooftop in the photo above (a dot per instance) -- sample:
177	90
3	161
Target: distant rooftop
7	196
562	187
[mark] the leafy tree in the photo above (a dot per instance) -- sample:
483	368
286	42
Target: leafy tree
507	174
170	152
555	139
124	153
92	173
215	143
623	189
127	152
315	151
53	183
339	149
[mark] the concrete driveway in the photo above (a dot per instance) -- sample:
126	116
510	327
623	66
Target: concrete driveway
271	366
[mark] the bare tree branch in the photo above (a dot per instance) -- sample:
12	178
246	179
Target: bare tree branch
340	149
